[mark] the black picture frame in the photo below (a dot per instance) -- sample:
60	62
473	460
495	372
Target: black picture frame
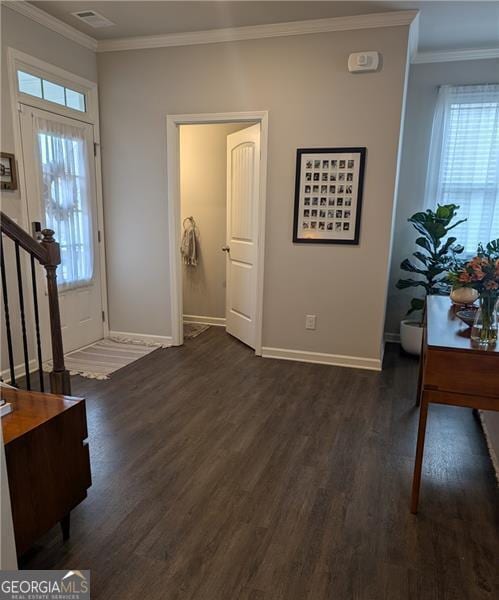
333	228
8	171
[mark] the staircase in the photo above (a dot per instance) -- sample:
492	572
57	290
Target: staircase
46	253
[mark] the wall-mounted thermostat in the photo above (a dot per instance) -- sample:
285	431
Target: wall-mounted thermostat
360	62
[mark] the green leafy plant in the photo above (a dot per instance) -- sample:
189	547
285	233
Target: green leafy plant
439	252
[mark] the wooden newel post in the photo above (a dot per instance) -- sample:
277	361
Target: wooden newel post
60	382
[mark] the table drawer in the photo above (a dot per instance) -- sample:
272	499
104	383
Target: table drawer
462	372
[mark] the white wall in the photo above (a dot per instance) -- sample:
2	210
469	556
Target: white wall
313	101
422	91
203	191
27	36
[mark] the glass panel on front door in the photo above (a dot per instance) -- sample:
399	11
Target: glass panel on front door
65	201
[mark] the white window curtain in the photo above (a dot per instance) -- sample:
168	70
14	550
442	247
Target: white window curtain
463	166
63	167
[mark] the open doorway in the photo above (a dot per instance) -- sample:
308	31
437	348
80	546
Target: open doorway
216	176
203	211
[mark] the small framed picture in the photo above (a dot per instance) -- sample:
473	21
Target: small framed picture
343	170
8	173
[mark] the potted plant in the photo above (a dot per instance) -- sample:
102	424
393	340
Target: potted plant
481	273
436	254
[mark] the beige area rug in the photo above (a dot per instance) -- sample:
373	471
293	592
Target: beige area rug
192	330
101	359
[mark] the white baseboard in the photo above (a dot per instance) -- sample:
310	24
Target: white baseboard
393	338
202	320
320	358
19	370
146	338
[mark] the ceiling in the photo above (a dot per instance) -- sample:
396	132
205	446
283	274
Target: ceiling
443	25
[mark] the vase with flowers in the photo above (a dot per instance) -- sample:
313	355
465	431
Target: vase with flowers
482	274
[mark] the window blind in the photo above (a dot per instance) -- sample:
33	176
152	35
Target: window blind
463	164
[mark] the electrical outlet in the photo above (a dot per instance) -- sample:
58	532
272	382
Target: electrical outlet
310	321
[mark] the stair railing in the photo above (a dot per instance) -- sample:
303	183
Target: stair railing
47	253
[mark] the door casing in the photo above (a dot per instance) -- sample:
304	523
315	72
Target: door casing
173	123
15	59
90	332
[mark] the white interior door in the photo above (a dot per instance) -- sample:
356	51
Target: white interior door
58	155
243	185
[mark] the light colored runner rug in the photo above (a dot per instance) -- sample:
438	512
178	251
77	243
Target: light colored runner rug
192	330
102	358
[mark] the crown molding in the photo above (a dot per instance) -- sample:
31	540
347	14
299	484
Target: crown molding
50	22
455	55
414	37
254	32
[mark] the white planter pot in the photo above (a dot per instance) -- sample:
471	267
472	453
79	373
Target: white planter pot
411	336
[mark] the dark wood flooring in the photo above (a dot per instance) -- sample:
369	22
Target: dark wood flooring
218	475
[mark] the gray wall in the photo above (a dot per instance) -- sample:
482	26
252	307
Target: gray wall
27	36
313	101
203	191
422	91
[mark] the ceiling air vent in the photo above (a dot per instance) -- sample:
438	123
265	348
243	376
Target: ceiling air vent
92	18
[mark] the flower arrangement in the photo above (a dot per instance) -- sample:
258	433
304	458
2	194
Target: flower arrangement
482	274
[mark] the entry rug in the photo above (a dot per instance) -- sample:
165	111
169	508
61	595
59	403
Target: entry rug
104	357
192	330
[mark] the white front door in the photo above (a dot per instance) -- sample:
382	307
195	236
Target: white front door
243	185
58	155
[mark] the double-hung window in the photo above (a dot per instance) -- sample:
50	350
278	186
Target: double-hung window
463	164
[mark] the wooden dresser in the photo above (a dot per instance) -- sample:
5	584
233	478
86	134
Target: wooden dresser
453	370
47	459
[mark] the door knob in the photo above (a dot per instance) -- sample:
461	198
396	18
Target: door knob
225	248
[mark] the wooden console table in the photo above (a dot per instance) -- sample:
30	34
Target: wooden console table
453	370
47	459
